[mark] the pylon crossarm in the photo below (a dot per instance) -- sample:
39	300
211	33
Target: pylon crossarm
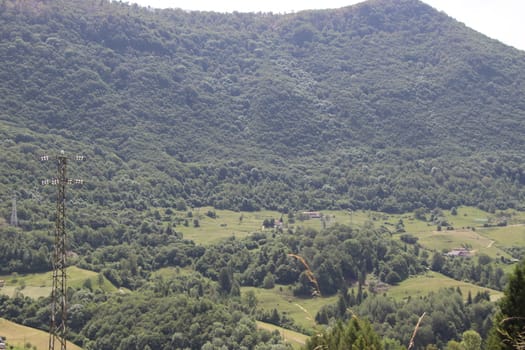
58	327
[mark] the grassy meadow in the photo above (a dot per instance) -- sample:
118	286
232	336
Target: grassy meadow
431	281
35	285
297	340
450	239
301	310
20	336
468	227
507	236
226	224
229	223
472	228
469	230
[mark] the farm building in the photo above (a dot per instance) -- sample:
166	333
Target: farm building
463	252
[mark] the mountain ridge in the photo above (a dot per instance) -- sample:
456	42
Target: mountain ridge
323	101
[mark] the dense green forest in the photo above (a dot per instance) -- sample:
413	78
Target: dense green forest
386	105
342	260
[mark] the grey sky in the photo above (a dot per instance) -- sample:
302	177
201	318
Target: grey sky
498	19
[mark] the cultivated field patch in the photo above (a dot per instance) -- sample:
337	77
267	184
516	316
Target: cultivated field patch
301	310
421	285
20	336
297	340
35	285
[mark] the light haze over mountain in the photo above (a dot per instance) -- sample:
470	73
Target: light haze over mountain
501	20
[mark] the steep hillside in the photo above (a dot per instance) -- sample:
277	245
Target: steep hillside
21	336
386	105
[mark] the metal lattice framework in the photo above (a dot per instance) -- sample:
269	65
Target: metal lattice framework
58	329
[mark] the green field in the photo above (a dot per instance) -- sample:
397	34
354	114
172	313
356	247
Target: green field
171	272
18	335
447	240
37	285
297	340
469	230
301	310
468	226
507	236
421	285
226	224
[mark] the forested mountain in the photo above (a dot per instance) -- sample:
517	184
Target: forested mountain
387	105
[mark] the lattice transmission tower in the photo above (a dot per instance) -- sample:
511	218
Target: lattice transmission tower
58	328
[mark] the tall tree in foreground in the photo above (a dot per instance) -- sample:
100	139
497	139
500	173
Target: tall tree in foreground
509	325
356	334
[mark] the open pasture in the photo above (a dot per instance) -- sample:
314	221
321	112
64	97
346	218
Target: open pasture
506	236
421	285
450	239
468	227
472	228
297	340
172	272
35	285
225	224
301	310
18	335
229	223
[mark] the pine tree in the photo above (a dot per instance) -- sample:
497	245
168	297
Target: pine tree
356	334
509	324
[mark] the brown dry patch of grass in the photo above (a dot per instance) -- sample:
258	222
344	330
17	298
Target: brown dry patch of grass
19	335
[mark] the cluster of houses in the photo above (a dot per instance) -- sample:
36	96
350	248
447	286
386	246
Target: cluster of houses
278	224
463	252
466	253
312	214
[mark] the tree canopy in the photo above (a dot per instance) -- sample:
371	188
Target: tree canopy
385	105
509	324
